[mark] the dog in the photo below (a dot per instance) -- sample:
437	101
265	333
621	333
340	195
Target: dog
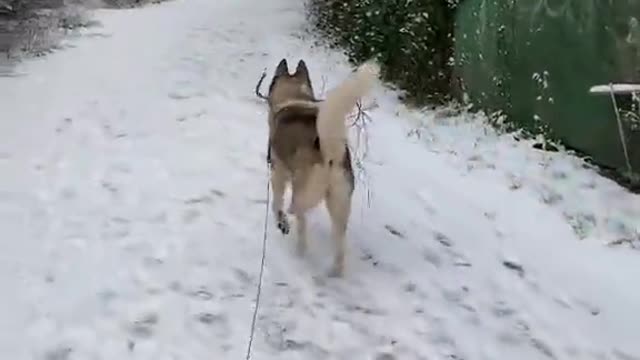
308	149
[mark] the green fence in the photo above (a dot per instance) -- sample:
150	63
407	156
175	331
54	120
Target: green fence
537	59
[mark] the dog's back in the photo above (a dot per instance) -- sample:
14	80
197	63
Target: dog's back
296	142
295	136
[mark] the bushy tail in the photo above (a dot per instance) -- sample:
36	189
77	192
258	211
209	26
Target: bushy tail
340	101
311	187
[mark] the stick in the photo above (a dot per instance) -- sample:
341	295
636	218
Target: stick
258	94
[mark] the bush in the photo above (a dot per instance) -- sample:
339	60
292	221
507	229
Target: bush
412	40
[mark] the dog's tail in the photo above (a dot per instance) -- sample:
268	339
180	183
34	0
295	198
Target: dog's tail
311	186
339	102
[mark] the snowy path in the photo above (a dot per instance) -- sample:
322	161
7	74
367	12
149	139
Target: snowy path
132	198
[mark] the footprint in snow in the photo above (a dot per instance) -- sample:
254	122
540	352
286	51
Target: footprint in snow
385	356
109	187
200	200
367	256
189	216
457	298
500	310
542	348
116	228
143	327
456	258
59	353
218	322
243	276
395	232
201	294
412	288
66	124
514	266
443	239
524	330
313	350
562	302
355	308
432	257
180	96
590	308
549	196
196	115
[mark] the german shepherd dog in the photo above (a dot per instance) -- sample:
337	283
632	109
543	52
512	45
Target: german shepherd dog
308	148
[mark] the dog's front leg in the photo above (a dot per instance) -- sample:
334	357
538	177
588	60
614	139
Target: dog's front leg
278	185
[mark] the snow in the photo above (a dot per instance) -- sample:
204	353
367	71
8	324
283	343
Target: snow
615	88
132	203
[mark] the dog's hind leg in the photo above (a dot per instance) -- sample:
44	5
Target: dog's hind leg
278	184
338	202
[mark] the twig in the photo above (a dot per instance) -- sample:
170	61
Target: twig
360	149
360	119
258	94
324	85
361	115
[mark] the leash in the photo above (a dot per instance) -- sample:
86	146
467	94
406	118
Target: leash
262	261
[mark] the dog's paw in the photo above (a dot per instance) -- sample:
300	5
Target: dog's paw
283	222
337	271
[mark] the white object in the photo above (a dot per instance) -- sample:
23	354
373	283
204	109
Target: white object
612	90
615	88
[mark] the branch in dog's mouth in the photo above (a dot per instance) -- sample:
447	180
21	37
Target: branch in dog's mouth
361	115
259	85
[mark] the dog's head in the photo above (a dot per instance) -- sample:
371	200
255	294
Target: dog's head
285	87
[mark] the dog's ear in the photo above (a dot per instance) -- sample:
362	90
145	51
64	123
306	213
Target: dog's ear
283	68
302	71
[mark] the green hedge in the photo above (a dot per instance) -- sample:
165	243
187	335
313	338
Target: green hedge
413	40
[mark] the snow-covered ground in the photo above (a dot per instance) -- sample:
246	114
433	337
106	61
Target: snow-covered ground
132	203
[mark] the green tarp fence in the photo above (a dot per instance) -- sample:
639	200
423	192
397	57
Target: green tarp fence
537	59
